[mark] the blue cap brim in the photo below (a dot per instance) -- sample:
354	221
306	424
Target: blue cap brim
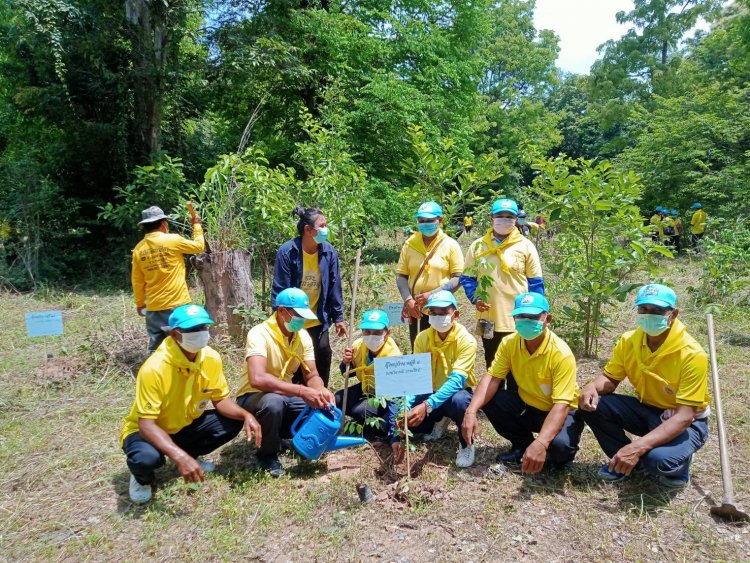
528	311
440	303
425	215
193	322
306	313
654	301
372	325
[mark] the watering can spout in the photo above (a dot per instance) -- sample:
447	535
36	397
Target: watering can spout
346	442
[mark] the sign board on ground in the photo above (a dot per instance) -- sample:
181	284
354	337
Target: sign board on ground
393	310
44	323
397	376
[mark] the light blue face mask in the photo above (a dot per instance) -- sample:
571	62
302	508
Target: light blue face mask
529	329
322	235
653	325
428	229
522	221
295	324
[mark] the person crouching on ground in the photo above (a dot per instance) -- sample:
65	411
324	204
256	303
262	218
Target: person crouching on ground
275	349
546	398
376	342
669	371
454	352
169	417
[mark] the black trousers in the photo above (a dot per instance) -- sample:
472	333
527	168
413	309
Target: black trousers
275	413
202	436
415	327
323	355
358	408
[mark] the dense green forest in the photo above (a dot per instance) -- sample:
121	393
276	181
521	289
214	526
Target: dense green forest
359	106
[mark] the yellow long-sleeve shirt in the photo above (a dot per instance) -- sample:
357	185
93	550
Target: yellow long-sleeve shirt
698	222
158	272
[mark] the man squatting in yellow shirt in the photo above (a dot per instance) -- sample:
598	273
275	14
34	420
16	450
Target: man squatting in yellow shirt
275	349
158	271
170	415
544	400
668	369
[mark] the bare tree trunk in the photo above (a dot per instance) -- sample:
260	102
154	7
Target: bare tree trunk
226	283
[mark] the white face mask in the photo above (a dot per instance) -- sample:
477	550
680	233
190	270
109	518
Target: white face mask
373	341
503	225
193	341
441	323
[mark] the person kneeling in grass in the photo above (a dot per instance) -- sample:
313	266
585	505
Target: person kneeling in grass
669	371
169	417
544	402
454	352
376	342
275	349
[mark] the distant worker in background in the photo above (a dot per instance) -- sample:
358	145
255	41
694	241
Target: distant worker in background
667	228
468	223
677	237
524	226
697	224
655	222
158	271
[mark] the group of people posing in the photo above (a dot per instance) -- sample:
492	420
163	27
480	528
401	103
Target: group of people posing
529	394
667	226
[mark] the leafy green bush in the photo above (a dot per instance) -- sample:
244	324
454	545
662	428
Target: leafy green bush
726	264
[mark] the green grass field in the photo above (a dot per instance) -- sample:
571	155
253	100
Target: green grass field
63	485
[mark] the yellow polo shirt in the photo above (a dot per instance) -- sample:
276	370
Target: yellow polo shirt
174	391
448	261
698	222
311	283
457	352
520	261
656	222
546	377
366	372
283	358
158	269
675	374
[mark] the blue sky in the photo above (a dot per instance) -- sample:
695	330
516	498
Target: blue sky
581	25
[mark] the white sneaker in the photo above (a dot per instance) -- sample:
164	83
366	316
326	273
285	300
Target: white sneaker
206	466
465	456
139	493
438	430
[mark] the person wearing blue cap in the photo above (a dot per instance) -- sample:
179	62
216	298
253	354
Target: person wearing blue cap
511	262
274	351
311	263
453	350
544	400
430	261
655	222
169	416
677	236
376	342
667	227
669	371
697	224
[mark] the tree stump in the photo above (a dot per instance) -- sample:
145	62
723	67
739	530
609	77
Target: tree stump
227	282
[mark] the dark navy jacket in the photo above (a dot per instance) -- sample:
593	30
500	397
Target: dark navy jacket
288	273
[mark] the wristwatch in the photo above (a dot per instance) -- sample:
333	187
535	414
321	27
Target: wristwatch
428	407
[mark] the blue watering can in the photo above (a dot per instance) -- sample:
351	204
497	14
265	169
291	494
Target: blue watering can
316	431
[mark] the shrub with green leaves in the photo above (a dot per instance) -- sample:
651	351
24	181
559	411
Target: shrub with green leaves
600	241
726	264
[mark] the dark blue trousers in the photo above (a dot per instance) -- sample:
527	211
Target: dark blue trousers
617	414
454	408
357	406
275	413
516	421
201	437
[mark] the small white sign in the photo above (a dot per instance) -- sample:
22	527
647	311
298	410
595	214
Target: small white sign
44	323
393	310
398	376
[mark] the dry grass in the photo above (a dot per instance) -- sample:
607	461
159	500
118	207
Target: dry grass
63	489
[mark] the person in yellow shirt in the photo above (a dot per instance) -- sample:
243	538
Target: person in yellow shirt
170	415
655	222
275	349
430	261
510	263
453	350
697	224
468	223
158	271
545	400
668	369
677	237
376	342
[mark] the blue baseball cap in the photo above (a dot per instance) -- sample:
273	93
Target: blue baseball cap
656	294
530	304
504	205
374	319
659	208
674	212
442	298
429	210
696	205
294	298
189	316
